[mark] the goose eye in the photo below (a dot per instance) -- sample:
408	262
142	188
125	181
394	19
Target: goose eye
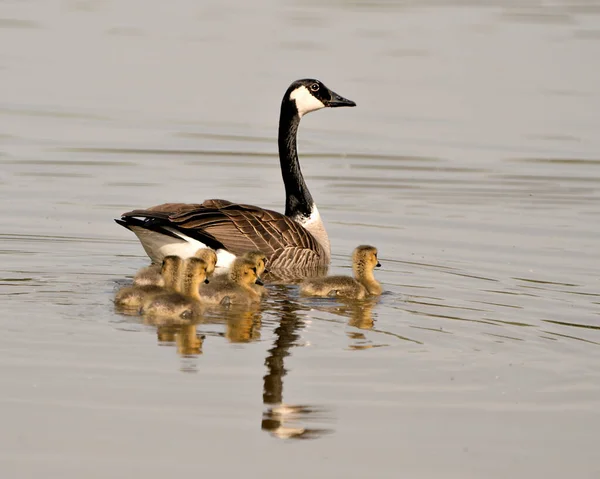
314	87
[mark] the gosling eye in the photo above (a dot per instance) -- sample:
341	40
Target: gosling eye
314	87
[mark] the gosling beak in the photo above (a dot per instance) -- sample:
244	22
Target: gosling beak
259	282
338	100
206	281
266	271
378	264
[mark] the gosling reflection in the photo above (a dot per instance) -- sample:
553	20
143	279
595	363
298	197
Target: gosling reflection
189	343
286	421
243	326
360	316
183	335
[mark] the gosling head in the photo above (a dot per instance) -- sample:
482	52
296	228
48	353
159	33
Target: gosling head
243	271
364	258
209	257
309	95
195	270
171	266
259	259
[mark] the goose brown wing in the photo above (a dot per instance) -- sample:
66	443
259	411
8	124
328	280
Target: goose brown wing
237	228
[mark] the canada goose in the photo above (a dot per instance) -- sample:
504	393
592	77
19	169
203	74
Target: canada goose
239	287
134	296
296	239
182	303
364	260
151	275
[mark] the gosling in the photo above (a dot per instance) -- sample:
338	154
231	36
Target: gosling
151	275
132	297
364	261
210	258
184	301
237	289
260	261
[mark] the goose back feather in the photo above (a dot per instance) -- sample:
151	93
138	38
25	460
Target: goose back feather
237	228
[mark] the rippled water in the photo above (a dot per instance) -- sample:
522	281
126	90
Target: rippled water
472	162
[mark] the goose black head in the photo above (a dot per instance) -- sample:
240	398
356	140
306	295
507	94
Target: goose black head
309	95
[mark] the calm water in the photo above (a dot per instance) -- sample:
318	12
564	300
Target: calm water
472	162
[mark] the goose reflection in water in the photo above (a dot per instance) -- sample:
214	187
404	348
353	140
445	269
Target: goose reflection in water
243	325
281	420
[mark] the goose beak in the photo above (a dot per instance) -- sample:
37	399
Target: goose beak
338	100
378	264
206	281
259	282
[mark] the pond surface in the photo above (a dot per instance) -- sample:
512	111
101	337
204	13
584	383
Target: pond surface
472	161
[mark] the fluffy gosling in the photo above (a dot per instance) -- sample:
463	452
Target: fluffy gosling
364	261
132	297
184	302
237	289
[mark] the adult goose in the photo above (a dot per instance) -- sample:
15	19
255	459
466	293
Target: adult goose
294	240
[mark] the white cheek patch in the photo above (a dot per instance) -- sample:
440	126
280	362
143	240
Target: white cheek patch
305	101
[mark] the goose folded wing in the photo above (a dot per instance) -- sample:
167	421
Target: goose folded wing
236	227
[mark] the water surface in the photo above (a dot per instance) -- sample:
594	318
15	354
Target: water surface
472	161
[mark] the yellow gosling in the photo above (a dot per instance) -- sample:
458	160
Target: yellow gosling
133	297
183	303
364	261
237	289
149	276
260	261
210	258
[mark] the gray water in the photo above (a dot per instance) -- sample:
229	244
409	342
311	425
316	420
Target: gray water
472	161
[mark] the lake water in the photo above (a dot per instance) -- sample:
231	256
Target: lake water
472	161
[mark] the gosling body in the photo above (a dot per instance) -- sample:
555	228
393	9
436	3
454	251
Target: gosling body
237	288
149	276
133	297
260	262
363	284
183	302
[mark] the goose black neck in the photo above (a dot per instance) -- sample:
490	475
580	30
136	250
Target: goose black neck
298	199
